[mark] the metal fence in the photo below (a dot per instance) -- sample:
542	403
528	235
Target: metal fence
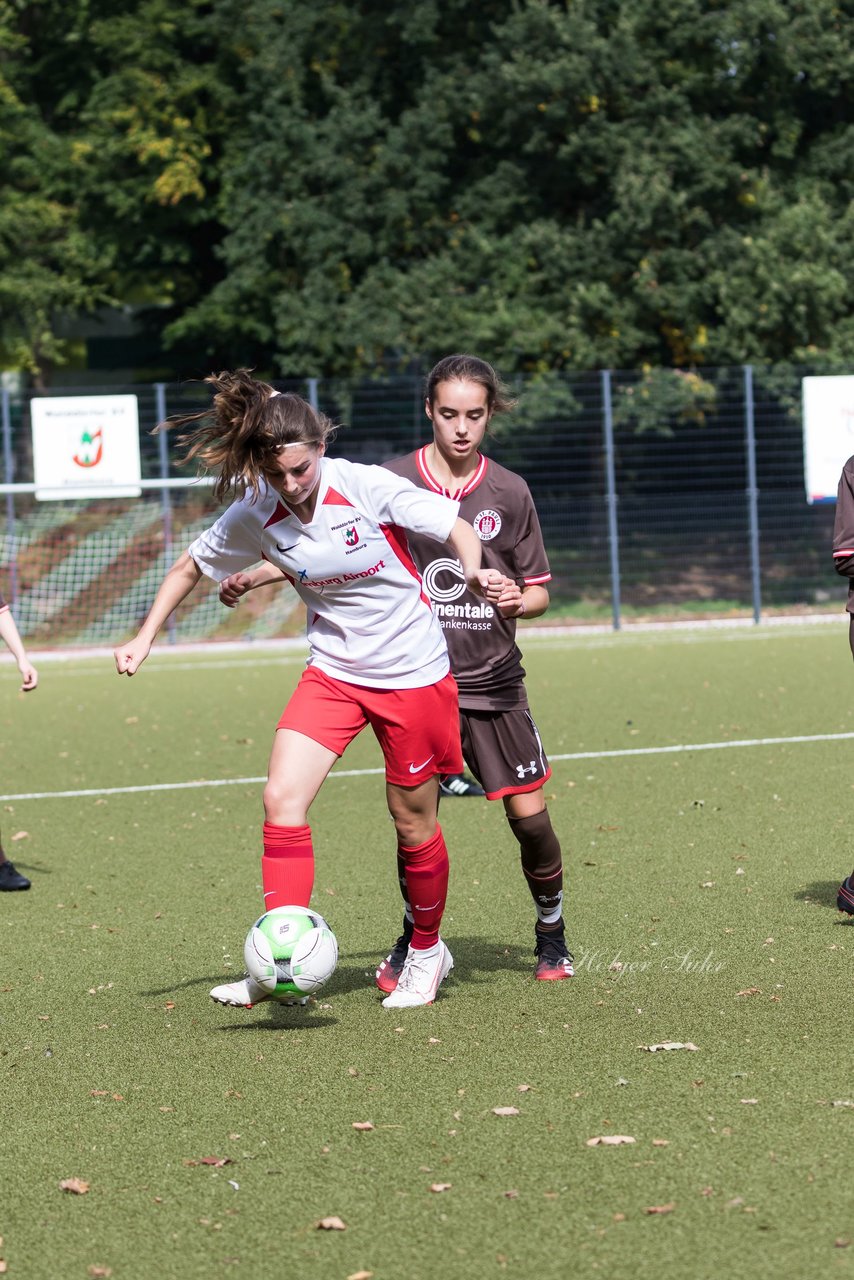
659	492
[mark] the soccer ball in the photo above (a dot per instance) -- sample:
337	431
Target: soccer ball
290	951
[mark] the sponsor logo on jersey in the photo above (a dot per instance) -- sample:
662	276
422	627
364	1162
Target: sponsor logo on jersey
444	592
351	536
317	584
487	524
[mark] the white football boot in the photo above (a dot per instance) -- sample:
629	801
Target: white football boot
419	980
246	993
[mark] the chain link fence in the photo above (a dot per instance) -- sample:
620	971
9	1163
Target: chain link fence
661	493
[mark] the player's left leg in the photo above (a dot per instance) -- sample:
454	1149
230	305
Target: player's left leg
542	867
418	730
503	749
425	870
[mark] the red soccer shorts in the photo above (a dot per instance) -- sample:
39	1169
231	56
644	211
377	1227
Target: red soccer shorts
417	729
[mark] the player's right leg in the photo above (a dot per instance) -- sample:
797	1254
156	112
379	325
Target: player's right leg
298	766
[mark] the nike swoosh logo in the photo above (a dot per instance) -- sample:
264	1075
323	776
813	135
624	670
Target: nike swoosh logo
416	768
284	549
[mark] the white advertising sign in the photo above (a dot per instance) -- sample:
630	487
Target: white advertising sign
85	447
828	410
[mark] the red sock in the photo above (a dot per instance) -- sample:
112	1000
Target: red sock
287	867
426	869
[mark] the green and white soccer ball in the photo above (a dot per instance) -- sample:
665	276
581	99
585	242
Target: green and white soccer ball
290	951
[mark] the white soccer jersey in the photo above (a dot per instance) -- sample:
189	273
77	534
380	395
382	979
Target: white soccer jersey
369	620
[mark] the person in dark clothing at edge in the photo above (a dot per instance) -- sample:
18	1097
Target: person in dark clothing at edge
843	560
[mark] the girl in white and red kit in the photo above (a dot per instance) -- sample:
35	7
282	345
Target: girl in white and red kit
336	530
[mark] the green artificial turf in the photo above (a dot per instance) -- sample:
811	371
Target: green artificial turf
701	911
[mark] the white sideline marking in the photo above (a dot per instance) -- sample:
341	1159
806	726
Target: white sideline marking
365	773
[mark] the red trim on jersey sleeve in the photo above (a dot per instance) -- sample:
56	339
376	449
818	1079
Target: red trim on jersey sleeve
397	541
838	554
335	499
538	580
281	513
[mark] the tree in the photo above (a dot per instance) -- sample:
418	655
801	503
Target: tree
336	189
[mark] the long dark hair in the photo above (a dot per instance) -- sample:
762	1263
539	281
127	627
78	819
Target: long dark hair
464	368
245	428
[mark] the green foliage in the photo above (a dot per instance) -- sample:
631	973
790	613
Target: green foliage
334	189
50	263
664	398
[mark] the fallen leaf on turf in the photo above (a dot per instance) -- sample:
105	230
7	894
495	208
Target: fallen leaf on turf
433	1040
661	1142
505	1111
360	1275
331	1224
661	1208
735	1203
511	1195
749	1102
21	835
75	1185
669	1044
362	1125
842	1102
440	1186
2	1266
524	1088
96	1271
707	1191
841	1243
749	991
351	1071
618	1217
609	1140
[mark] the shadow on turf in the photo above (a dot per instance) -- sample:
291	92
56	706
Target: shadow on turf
476	960
823	894
279	1017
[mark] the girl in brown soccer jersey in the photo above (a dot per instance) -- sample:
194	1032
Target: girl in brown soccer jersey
10	878
500	741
